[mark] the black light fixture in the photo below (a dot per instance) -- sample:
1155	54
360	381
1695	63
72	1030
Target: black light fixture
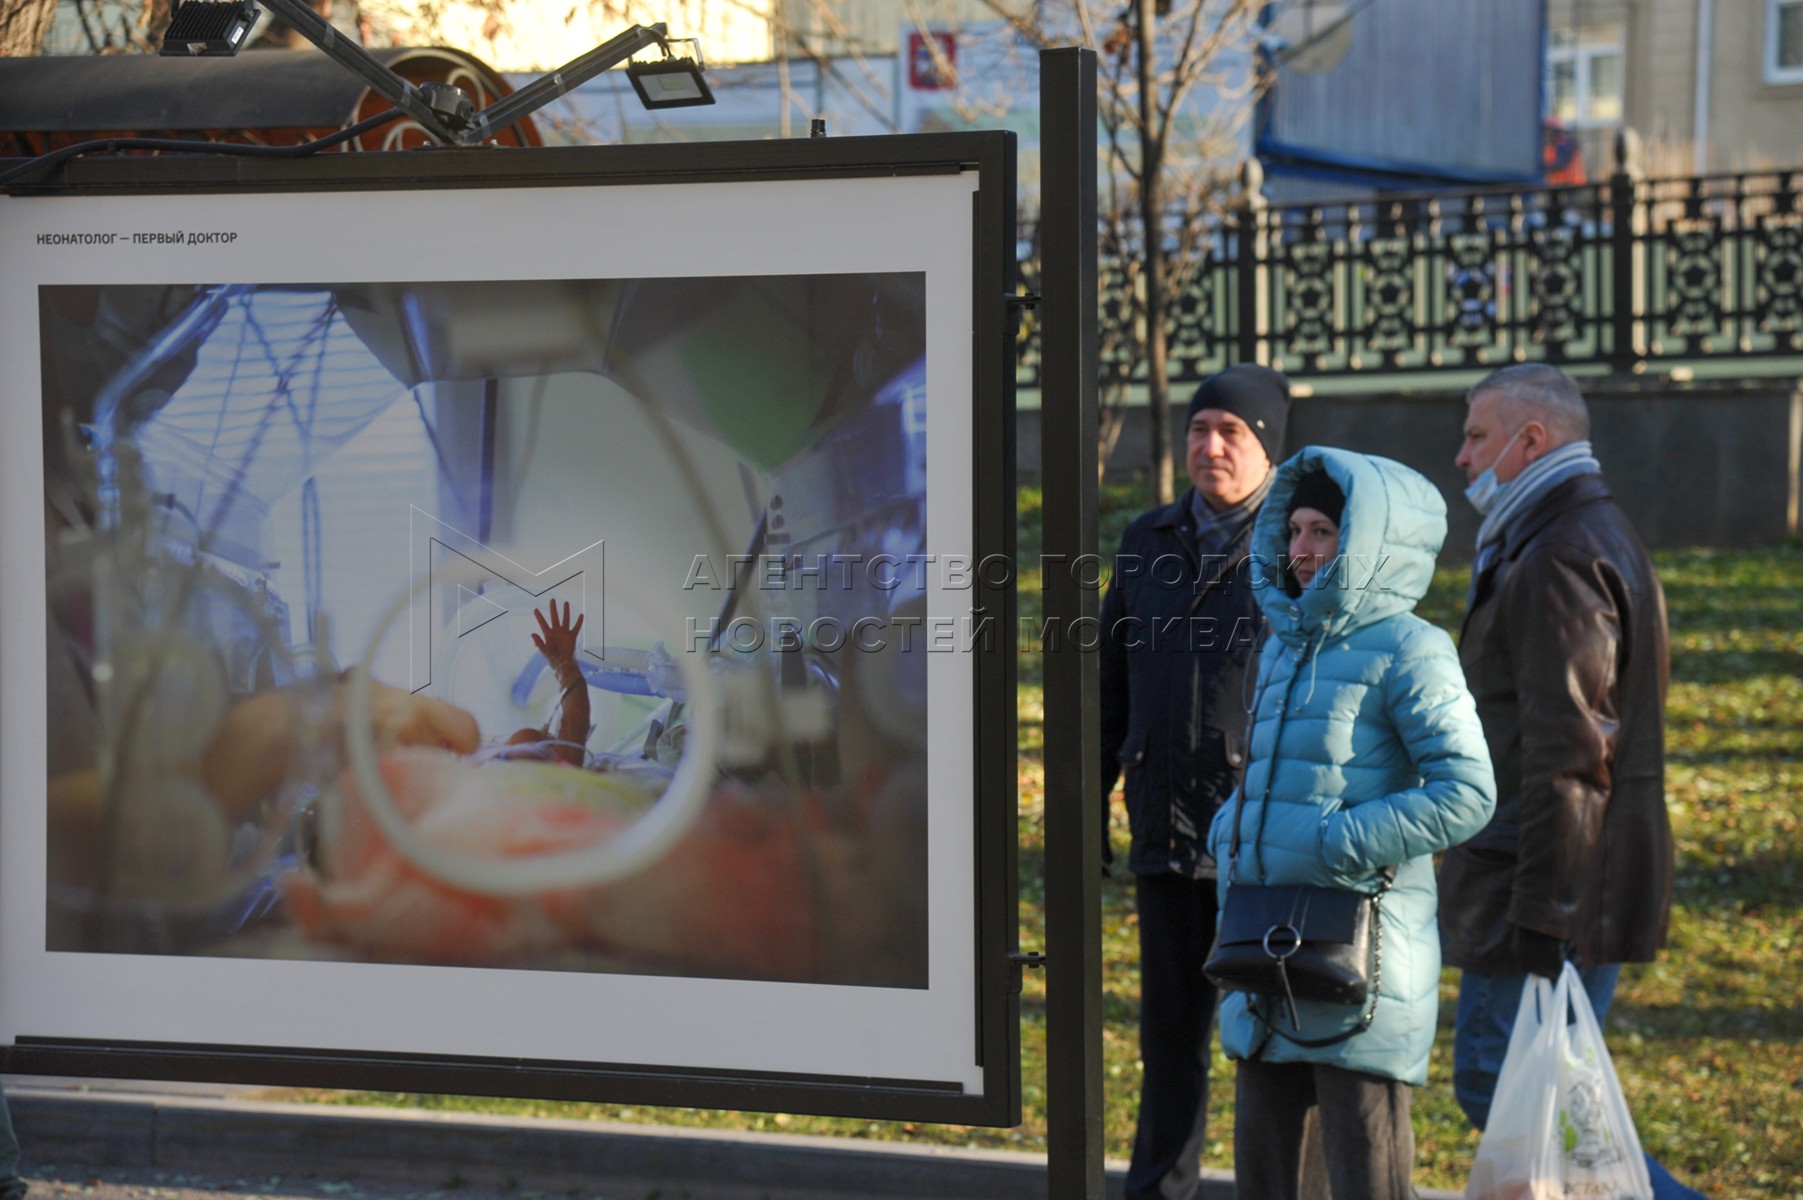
220	27
209	28
670	82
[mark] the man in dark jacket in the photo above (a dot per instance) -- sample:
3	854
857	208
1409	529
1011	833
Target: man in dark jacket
1179	627
1564	648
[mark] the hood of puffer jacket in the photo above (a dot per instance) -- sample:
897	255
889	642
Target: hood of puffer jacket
1391	531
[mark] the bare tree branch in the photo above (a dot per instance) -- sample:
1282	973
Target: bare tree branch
1168	174
23	25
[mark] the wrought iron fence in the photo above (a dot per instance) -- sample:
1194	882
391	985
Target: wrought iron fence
1626	273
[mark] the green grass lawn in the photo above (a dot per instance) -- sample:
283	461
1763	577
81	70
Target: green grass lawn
1708	1041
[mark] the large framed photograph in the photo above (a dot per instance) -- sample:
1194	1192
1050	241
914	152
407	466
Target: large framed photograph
533	623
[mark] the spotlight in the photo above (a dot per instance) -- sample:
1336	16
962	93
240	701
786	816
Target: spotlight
678	80
669	83
209	28
219	28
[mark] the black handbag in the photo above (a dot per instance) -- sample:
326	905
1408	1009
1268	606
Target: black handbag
1300	943
1312	943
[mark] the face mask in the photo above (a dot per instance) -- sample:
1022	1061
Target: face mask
1485	491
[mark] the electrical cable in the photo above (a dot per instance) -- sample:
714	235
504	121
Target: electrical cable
178	145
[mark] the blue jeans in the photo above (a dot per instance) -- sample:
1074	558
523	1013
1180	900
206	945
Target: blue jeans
1486	1018
11	1186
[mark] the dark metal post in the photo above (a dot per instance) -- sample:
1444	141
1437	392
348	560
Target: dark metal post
1073	816
1250	257
1624	296
1246	260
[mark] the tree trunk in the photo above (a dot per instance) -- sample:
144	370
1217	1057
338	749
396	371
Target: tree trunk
153	22
1110	420
1151	167
23	24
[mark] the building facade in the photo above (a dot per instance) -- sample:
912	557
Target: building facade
1711	86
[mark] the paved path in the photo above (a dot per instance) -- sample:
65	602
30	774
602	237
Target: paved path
124	1142
57	1182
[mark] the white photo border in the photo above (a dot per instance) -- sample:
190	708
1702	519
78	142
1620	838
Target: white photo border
731	1028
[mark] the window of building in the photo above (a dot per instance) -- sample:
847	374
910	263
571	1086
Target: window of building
1784	41
1585	73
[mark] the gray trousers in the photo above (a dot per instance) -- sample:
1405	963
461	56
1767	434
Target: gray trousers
1366	1138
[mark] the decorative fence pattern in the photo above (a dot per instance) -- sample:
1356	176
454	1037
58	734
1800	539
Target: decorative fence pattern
1631	274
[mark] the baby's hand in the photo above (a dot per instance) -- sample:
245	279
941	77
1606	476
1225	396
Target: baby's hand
558	644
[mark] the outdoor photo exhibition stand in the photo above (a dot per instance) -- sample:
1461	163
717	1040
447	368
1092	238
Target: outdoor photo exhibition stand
543	623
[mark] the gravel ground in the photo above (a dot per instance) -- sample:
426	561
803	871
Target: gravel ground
90	1183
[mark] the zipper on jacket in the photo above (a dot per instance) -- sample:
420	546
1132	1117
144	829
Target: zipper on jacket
1264	802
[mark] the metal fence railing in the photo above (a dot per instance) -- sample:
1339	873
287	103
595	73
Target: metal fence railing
1627	273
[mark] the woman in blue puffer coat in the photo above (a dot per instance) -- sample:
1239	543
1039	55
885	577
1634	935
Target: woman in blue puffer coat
1366	757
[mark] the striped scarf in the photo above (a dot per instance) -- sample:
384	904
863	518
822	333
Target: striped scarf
1216	532
1520	494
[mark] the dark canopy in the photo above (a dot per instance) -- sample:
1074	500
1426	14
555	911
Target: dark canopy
257	90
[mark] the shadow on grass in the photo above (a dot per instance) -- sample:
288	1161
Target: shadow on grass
1118	1009
1760	882
1732	666
1664	1022
1714	605
1740	1022
1741	746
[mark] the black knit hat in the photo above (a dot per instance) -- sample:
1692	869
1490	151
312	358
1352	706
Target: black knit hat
1256	395
1315	490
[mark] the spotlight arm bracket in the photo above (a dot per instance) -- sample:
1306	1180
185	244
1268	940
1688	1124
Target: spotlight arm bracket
549	86
445	113
346	53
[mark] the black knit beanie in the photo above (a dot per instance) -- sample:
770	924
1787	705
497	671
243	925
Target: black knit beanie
1256	395
1315	490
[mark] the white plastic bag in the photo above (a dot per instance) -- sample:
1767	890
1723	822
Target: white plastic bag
1559	1128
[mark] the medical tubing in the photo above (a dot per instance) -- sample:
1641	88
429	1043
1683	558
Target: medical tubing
640	844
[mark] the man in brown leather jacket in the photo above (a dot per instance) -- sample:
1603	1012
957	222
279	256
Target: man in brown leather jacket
1564	649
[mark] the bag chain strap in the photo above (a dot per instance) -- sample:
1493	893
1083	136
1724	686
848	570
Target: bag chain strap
1377	981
